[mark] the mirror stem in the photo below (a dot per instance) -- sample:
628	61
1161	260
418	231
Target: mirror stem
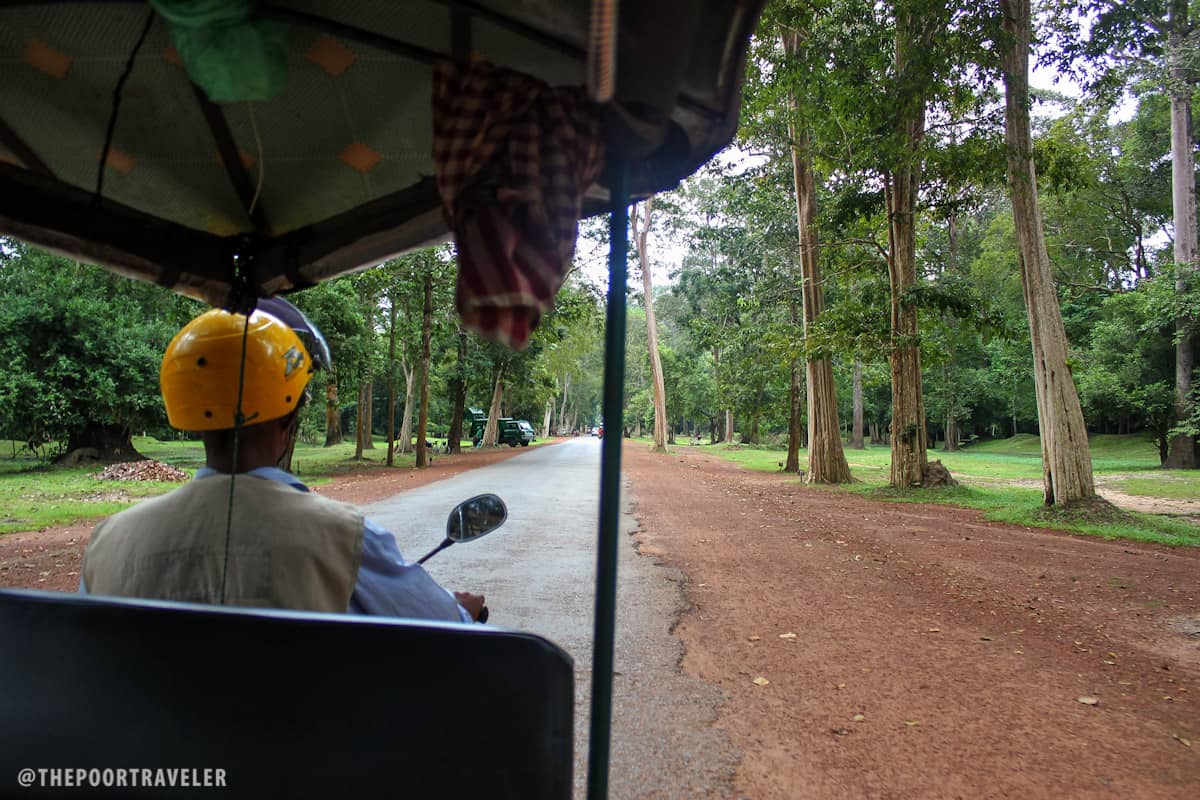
445	543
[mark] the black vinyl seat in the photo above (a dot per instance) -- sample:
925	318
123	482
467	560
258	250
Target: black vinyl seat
289	704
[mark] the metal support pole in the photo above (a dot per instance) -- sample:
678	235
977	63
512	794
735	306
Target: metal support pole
610	490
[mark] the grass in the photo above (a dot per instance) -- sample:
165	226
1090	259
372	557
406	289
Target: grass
994	474
1172	484
36	498
34	495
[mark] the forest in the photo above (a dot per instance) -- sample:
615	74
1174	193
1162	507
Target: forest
907	245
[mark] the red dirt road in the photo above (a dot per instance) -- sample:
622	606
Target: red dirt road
935	654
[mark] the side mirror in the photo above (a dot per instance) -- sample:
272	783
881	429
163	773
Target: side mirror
470	520
476	517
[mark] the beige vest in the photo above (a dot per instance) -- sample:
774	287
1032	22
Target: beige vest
287	549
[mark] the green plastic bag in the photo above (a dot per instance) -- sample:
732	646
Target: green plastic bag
228	53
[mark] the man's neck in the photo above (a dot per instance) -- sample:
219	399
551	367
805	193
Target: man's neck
249	459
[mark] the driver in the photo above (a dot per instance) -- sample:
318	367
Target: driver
260	538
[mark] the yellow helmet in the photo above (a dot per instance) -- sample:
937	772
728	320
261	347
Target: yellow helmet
202	365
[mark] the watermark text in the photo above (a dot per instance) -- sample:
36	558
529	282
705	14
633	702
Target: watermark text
122	777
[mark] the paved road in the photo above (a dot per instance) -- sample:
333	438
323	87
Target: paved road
538	572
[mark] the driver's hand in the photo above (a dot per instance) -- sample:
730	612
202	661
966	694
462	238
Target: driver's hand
473	603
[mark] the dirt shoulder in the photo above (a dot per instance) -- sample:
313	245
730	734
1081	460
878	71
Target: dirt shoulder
51	558
934	654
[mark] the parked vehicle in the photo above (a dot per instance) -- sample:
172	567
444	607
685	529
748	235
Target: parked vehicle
515	432
478	424
511	432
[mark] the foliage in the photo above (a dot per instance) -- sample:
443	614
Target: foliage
79	349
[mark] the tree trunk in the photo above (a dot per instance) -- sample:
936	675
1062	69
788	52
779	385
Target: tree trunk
548	420
333	414
406	424
729	426
1182	452
909	459
856	432
795	416
100	442
426	333
458	389
660	395
368	436
826	460
360	413
491	432
566	389
951	434
391	379
1066	463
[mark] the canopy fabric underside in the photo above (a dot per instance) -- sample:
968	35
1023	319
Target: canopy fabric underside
335	173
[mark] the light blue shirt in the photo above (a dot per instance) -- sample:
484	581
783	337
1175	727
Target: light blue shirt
386	585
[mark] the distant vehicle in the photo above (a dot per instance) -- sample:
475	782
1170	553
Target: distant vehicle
595	431
515	432
478	423
511	432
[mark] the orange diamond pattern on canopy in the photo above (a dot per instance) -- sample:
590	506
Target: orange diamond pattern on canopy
360	157
171	56
119	160
330	55
47	59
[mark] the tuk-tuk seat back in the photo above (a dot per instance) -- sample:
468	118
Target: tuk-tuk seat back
288	704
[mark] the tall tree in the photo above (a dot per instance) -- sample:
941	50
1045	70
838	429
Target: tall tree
426	335
491	431
391	377
370	286
458	392
915	34
1156	41
856	430
641	234
826	461
1182	80
1066	461
335	308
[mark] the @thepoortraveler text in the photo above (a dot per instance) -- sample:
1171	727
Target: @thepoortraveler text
122	777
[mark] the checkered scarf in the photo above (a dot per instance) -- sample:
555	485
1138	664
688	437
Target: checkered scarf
513	157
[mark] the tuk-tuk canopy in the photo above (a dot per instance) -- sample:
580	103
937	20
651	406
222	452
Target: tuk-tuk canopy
330	169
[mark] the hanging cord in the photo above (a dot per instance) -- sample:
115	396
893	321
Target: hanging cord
261	165
116	106
239	421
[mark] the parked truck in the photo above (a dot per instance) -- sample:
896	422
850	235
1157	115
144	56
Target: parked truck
512	432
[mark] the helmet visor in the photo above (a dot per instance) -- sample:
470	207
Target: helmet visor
303	327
